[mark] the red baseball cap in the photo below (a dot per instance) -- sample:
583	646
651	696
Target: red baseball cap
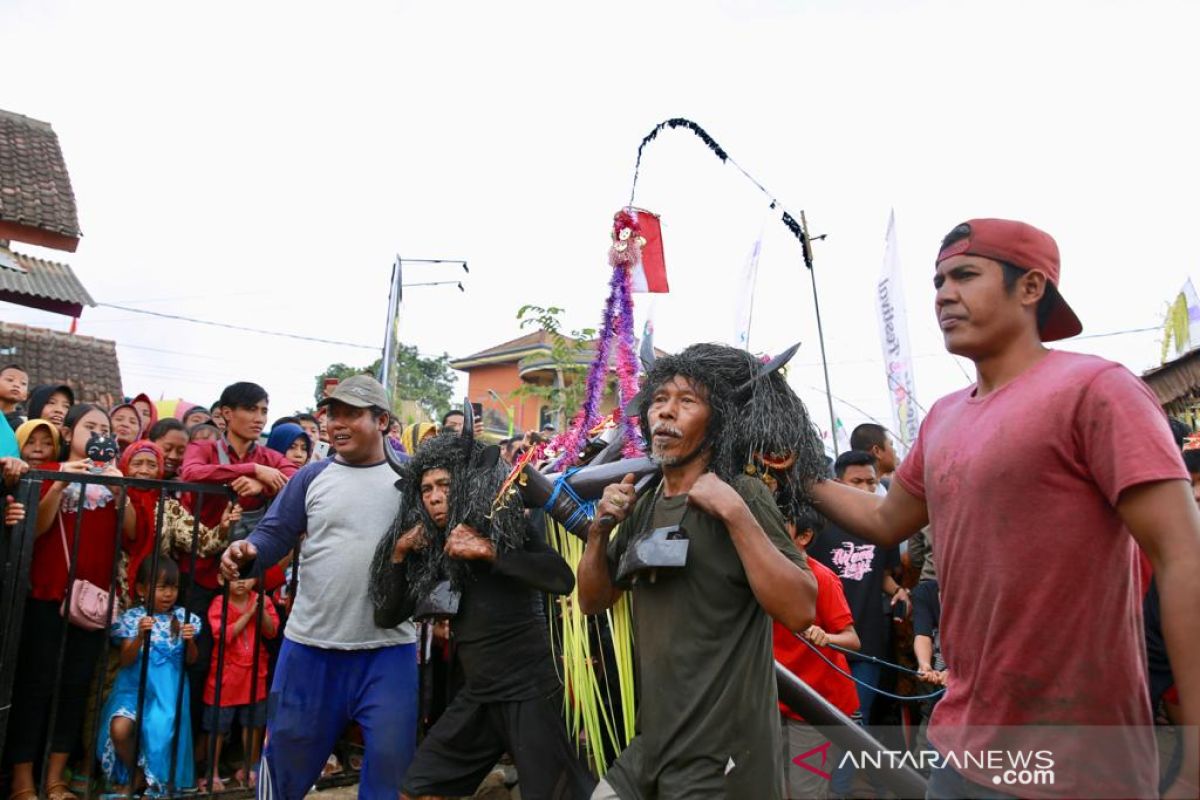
1027	248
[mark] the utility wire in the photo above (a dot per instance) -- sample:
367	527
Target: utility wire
230	326
1120	333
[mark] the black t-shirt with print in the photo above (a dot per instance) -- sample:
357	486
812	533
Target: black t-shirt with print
861	566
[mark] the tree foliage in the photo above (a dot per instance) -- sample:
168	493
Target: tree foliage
565	393
429	382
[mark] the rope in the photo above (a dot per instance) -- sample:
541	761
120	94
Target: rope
881	662
584	510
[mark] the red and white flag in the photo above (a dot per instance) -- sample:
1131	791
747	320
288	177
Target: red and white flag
650	273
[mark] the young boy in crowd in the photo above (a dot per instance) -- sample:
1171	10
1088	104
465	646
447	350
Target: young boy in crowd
254	472
833	624
14	390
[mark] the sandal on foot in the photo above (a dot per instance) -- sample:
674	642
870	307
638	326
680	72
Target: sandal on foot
24	794
60	791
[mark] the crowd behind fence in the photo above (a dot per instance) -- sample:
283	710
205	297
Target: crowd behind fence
142	672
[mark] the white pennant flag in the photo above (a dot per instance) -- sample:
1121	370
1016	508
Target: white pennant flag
745	310
893	332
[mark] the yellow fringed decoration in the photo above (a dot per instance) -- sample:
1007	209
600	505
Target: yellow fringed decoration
584	691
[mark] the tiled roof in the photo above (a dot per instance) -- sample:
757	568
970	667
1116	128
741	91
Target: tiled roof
87	365
37	283
531	352
1176	383
35	189
518	345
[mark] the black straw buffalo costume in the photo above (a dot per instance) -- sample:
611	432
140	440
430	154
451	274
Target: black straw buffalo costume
512	698
708	720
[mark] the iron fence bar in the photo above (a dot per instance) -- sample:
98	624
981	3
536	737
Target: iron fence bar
19	560
98	682
130	483
183	673
260	608
17	548
10	534
56	693
220	643
797	695
144	655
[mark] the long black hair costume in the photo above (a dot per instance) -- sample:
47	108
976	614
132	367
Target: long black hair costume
758	425
476	476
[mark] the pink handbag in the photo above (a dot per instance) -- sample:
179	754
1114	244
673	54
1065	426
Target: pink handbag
86	604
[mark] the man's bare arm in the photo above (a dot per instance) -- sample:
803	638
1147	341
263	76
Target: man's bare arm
886	521
1163	517
596	590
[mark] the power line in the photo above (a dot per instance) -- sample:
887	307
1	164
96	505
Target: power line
230	326
174	352
1120	333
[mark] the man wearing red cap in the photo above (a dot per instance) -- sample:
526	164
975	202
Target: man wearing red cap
1034	479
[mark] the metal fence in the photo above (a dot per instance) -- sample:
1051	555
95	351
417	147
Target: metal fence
17	551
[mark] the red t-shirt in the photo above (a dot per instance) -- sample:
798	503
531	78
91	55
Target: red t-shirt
202	464
833	616
94	557
1041	612
239	654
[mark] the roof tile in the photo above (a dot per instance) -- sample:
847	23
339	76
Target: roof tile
35	189
43	284
86	364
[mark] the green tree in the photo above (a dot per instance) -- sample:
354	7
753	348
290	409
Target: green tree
565	393
429	382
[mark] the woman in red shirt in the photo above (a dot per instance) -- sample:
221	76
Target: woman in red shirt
95	508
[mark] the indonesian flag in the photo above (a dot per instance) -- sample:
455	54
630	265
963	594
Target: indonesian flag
650	272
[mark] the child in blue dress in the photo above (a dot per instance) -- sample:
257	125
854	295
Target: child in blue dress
172	642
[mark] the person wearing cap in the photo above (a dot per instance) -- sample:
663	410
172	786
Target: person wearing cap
335	666
1042	479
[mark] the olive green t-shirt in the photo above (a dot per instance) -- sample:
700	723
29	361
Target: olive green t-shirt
708	722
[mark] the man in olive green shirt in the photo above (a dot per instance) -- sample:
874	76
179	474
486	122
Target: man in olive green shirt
708	720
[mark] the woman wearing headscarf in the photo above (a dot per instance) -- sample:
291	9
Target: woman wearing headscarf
290	441
414	434
146	410
144	459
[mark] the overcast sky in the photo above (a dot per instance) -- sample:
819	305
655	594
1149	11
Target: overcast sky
263	163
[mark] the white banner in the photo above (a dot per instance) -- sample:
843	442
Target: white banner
745	307
1193	313
893	333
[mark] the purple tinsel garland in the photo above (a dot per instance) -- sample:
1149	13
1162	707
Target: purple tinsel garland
627	366
570	444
